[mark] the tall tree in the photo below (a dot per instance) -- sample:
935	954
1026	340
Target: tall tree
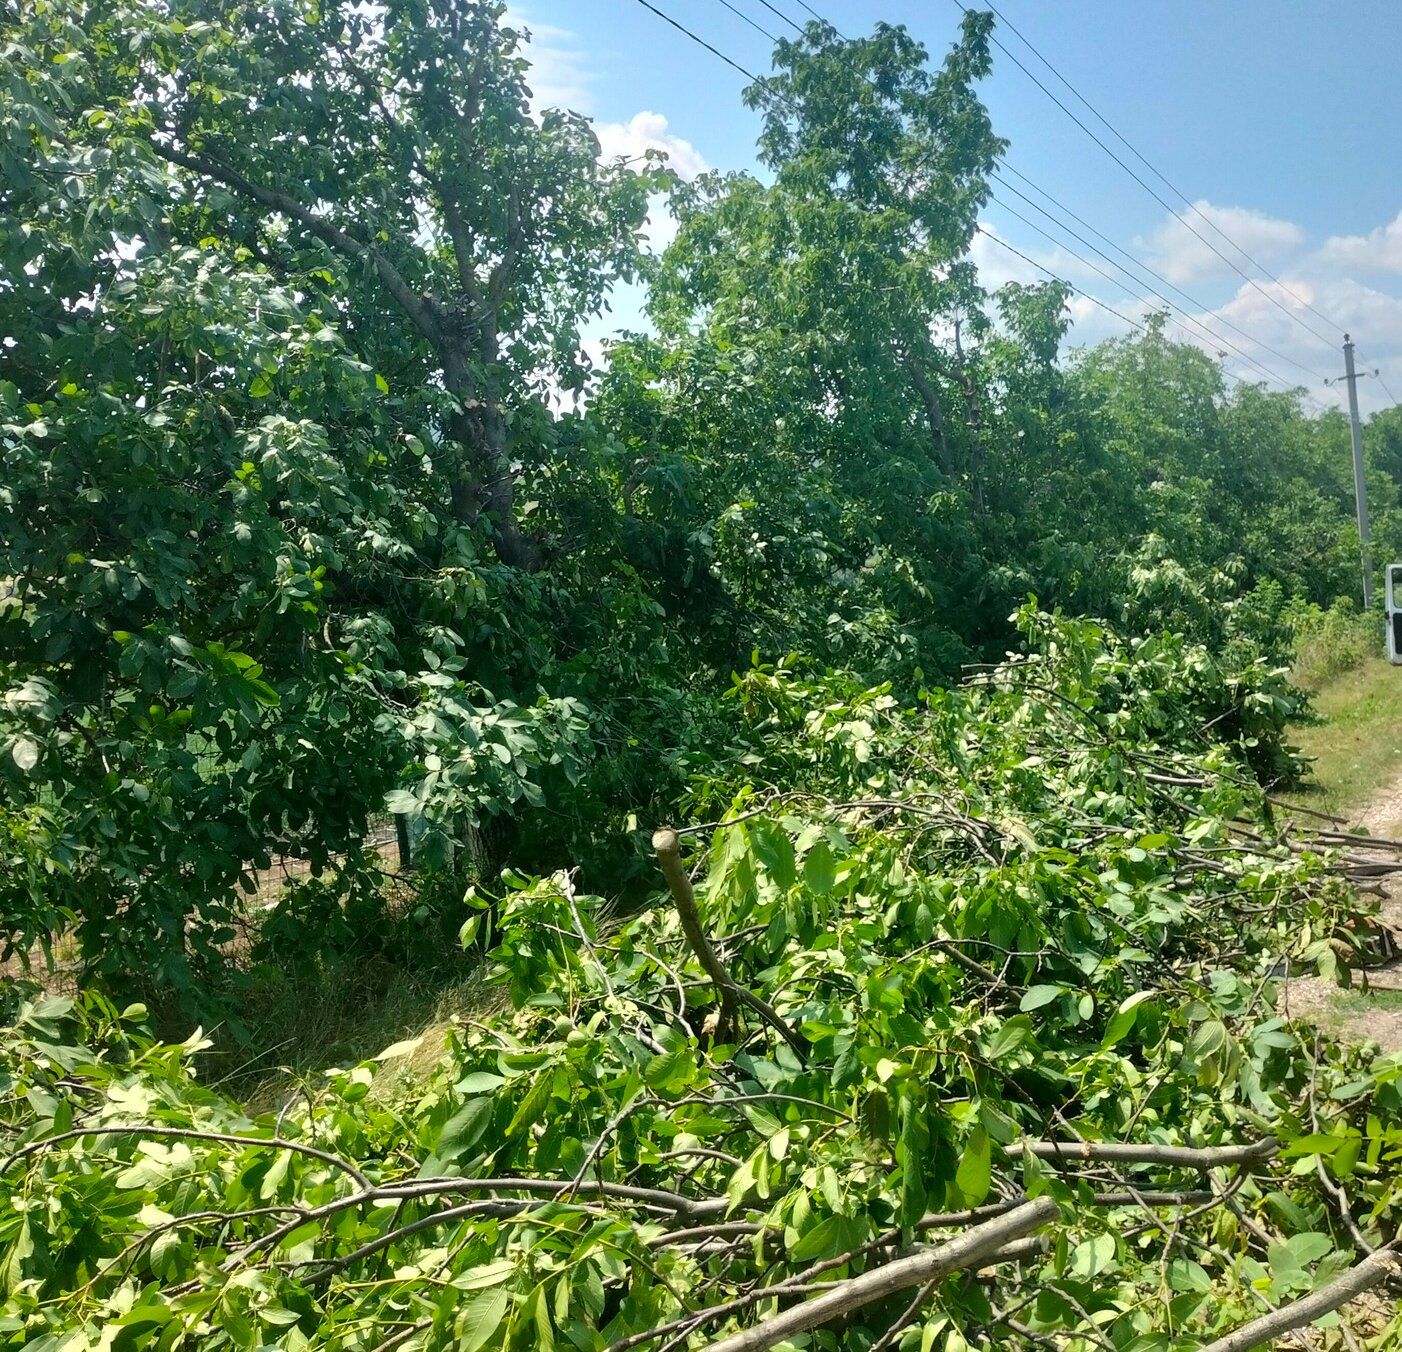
285	289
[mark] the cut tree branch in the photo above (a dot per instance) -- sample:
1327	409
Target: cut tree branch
1375	1269
184	1134
728	991
971	1249
1171	1156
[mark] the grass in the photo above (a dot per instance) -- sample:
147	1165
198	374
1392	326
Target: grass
1353	1003
336	1016
1356	742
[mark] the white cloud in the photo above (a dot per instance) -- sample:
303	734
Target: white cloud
1182	255
648	131
1277	340
1091	322
1379	250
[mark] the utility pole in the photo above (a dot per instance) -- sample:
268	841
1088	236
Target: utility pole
1360	487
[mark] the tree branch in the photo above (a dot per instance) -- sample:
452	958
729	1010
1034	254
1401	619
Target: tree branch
1172	1156
728	990
1375	1269
420	309
184	1134
971	1249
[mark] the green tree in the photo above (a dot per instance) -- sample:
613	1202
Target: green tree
285	293
828	444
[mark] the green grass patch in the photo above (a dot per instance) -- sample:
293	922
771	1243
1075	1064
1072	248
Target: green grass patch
1356	742
1353	1003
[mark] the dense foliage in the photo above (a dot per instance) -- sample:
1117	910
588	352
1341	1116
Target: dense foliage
978	946
957	1026
291	530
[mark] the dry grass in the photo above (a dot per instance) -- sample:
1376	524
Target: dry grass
341	1020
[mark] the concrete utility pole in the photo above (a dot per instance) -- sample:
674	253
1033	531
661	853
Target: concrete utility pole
1360	487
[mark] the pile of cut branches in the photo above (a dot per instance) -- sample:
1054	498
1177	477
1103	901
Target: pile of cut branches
962	1035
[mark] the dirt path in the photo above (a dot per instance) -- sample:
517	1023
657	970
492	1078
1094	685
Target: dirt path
1372	1013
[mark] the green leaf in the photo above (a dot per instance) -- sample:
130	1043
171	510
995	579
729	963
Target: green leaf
1009	1037
1093	1256
820	869
479	1318
1037	996
398	1049
827	1239
1124	1018
774	850
464	1129
1186	1275
1208	1038
975	1173
672	1072
486	1275
528	1111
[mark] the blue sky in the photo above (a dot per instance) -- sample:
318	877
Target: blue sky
1278	118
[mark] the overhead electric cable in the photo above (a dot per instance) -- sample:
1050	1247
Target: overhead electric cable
1139	263
701	42
1220	319
1158	173
740	14
779	13
1095	300
1377	374
1156	195
1115	281
1046	271
735	65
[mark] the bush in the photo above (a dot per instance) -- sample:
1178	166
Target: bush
1329	642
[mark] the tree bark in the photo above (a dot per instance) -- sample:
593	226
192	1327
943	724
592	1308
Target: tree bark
971	1249
1375	1269
481	480
934	412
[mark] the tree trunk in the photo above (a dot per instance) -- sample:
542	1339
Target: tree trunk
974	409
480	477
934	413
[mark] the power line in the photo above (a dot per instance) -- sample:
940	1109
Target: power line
1114	281
1095	300
1153	192
740	14
1378	375
735	65
1158	173
1046	271
1140	264
700	41
779	13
